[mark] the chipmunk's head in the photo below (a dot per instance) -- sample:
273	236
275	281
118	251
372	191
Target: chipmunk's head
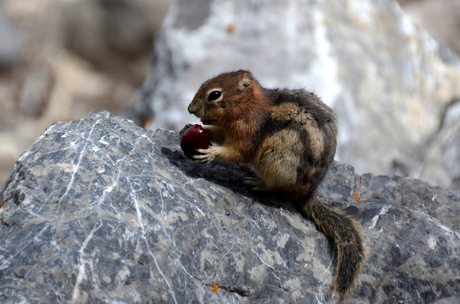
219	97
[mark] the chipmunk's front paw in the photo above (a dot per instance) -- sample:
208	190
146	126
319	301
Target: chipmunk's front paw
206	156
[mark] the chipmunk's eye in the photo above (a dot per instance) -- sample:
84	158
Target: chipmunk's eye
214	95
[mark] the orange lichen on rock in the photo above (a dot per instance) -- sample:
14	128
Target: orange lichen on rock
357	197
215	288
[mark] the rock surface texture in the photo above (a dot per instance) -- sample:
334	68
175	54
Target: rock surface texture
388	81
101	211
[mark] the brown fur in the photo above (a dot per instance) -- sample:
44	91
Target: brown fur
288	137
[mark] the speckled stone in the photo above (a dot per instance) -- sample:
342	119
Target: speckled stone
101	211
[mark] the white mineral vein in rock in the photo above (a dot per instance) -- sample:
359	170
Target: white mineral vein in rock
375	219
82	264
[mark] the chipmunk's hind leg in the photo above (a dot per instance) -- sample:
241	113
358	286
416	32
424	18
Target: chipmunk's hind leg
256	182
278	162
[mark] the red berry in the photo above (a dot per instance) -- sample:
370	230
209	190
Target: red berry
194	138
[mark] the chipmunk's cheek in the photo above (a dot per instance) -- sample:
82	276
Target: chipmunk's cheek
220	112
206	121
193	139
215	113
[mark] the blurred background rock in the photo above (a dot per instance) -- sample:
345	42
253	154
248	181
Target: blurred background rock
60	59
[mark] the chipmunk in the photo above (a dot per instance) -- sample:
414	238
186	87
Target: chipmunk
288	138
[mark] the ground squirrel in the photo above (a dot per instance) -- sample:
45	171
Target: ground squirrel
288	137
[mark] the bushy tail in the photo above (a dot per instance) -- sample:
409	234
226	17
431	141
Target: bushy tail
348	241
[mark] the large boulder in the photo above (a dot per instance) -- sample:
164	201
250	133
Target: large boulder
388	81
101	211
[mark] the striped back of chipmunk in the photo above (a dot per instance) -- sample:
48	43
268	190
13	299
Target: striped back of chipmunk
298	141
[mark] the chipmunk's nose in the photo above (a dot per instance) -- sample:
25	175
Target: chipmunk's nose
191	109
194	107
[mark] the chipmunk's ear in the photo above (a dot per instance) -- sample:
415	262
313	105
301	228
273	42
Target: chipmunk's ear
247	80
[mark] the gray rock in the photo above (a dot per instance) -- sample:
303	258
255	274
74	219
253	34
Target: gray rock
450	300
9	54
442	154
115	35
35	91
387	80
101	211
427	13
